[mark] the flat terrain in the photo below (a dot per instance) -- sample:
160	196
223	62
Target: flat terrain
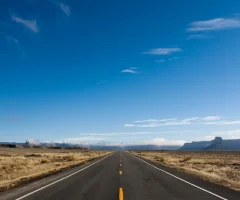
20	165
105	178
221	167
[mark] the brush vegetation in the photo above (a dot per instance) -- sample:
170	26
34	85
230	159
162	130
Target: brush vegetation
220	167
19	166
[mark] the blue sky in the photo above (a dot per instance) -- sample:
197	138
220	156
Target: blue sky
119	72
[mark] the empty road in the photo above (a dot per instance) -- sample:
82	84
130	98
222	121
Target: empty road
121	176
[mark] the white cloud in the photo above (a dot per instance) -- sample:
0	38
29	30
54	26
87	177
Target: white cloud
162	122
208	120
223	123
146	120
33	142
30	24
211	118
169	59
214	24
190	119
154	120
129	125
13	41
171	123
131	70
162	141
162	51
65	8
152	125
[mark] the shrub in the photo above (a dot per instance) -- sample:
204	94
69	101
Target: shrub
69	158
32	155
185	159
159	159
43	161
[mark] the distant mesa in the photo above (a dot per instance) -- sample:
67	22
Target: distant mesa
218	144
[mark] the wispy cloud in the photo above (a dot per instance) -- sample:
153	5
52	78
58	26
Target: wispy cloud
154	120
152	125
30	24
13	42
131	70
65	8
214	24
190	119
165	60
162	51
223	122
129	125
208	120
161	122
211	118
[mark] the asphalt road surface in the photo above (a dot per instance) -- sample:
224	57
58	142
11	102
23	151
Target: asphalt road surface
121	176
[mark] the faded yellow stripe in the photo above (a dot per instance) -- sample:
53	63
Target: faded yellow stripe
120	194
120	165
120	172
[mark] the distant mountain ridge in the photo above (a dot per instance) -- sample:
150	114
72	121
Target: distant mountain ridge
218	144
94	147
136	147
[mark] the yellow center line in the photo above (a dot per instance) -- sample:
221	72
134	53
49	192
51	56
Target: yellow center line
120	172
120	165
120	194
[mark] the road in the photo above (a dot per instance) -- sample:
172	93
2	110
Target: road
121	176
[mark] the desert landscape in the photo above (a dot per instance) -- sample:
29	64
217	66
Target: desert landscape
21	165
220	167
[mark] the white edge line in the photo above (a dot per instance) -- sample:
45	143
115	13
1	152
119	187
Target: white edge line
180	178
61	179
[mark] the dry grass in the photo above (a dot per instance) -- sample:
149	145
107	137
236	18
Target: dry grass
19	166
222	168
